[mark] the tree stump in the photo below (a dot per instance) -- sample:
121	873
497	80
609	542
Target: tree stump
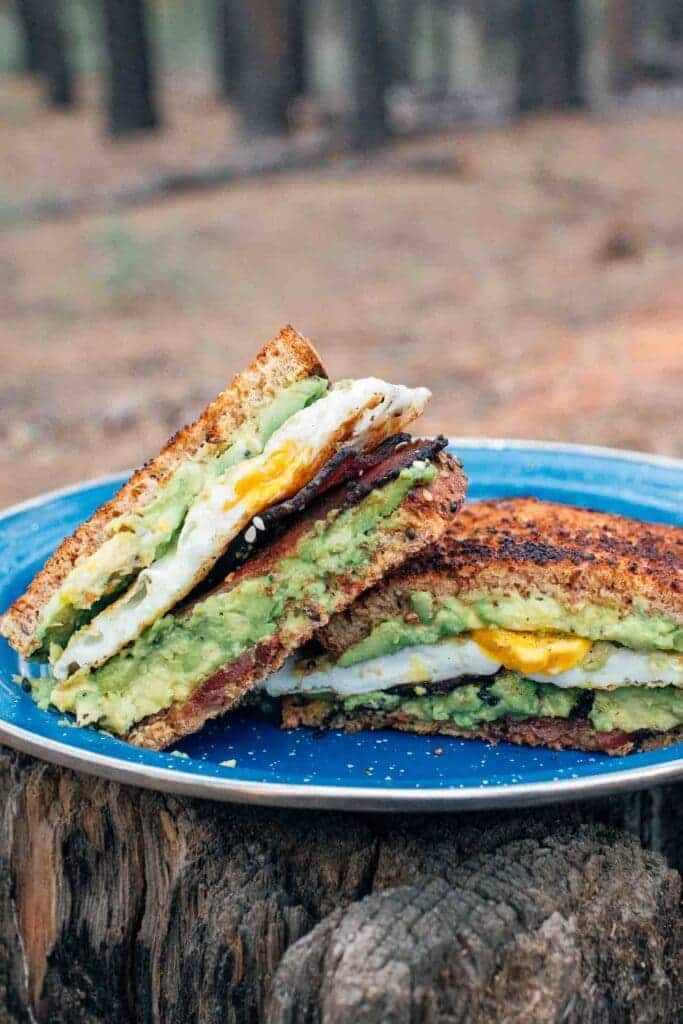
118	904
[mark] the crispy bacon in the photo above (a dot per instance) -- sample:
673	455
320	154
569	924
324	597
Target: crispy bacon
368	469
359	471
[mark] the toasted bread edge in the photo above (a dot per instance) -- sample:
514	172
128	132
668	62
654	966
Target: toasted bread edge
534	547
289	357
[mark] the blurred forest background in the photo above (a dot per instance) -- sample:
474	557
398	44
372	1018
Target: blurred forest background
484	196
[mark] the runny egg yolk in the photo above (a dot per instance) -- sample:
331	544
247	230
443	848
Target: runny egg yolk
278	478
544	653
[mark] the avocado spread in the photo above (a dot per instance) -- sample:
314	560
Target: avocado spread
168	660
630	708
139	539
536	614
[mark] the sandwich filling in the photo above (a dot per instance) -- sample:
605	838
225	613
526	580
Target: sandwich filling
137	540
516	657
263	467
171	658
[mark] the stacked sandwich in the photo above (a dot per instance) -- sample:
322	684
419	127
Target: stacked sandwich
294	545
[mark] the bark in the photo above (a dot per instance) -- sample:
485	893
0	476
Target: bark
238	34
515	935
673	20
266	84
297	31
401	23
131	101
370	74
550	55
622	42
30	35
51	50
441	46
121	904
228	48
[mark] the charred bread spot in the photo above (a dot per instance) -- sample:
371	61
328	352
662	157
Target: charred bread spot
537	549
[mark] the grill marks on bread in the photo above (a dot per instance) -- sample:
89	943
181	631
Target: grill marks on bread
535	548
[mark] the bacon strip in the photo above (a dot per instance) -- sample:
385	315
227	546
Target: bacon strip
367	470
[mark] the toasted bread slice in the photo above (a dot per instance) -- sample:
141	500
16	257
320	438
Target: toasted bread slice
535	548
553	733
285	360
424	516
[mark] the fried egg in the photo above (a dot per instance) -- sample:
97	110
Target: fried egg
457	657
358	413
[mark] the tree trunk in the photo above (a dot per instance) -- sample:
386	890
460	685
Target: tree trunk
119	904
266	83
131	102
370	73
441	46
51	55
297	35
228	47
401	22
673	20
30	35
550	55
622	22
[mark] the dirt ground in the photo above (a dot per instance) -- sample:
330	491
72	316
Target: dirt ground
531	275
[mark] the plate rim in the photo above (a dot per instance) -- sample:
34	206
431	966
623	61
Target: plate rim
356	798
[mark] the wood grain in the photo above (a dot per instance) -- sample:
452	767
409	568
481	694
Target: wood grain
118	904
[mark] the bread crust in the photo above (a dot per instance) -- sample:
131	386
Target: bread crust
427	511
289	357
536	548
551	733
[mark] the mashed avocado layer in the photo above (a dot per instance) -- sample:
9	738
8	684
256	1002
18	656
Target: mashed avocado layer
451	617
630	708
168	660
139	539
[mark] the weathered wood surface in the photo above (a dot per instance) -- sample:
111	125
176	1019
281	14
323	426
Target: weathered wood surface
118	904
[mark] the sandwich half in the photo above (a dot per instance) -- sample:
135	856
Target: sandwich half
530	622
287	498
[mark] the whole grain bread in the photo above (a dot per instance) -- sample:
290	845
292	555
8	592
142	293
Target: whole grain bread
286	359
535	548
552	733
425	515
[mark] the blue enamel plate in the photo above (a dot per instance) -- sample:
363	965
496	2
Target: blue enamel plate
250	761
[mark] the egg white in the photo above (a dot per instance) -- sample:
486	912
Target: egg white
359	413
424	663
454	658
